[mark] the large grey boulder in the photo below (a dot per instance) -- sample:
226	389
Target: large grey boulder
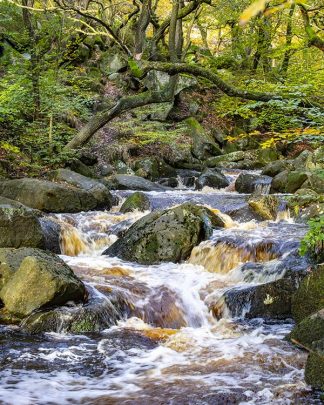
252	183
164	236
48	196
290	181
270	300
22	226
95	188
211	178
129	182
32	279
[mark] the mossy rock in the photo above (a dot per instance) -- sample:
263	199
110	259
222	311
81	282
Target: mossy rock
48	196
20	227
81	168
276	167
211	178
99	313
154	168
251	183
203	146
33	279
314	370
315	181
96	189
309	330
295	180
309	297
279	182
137	201
165	236
266	206
256	158
270	300
305	203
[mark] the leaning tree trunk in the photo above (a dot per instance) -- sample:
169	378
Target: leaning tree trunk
124	104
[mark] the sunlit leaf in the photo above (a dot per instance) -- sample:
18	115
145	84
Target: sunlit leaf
251	11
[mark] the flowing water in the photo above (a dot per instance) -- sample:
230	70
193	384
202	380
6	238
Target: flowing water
165	346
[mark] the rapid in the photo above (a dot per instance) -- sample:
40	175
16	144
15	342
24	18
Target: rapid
174	338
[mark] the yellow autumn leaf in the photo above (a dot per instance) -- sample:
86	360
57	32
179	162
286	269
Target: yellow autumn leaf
252	11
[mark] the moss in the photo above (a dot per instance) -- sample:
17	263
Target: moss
314	370
137	201
309	330
84	325
138	132
309	297
295	180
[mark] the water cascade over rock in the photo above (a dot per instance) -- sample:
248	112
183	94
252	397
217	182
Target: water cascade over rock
193	290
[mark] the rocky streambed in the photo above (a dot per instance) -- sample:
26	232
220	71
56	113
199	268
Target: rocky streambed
187	302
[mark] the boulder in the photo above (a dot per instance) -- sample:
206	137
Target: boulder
309	330
48	196
307	160
249	183
137	201
250	159
309	297
306	204
270	300
315	181
169	182
164	236
20	228
99	192
291	181
309	334
266	206
314	369
51	235
211	178
203	145
105	170
279	182
8	203
276	167
122	168
127	182
154	168
160	81
295	180
33	279
88	158
97	314
79	167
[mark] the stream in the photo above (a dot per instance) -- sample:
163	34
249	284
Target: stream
168	347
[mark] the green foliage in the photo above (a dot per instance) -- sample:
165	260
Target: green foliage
275	115
313	242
